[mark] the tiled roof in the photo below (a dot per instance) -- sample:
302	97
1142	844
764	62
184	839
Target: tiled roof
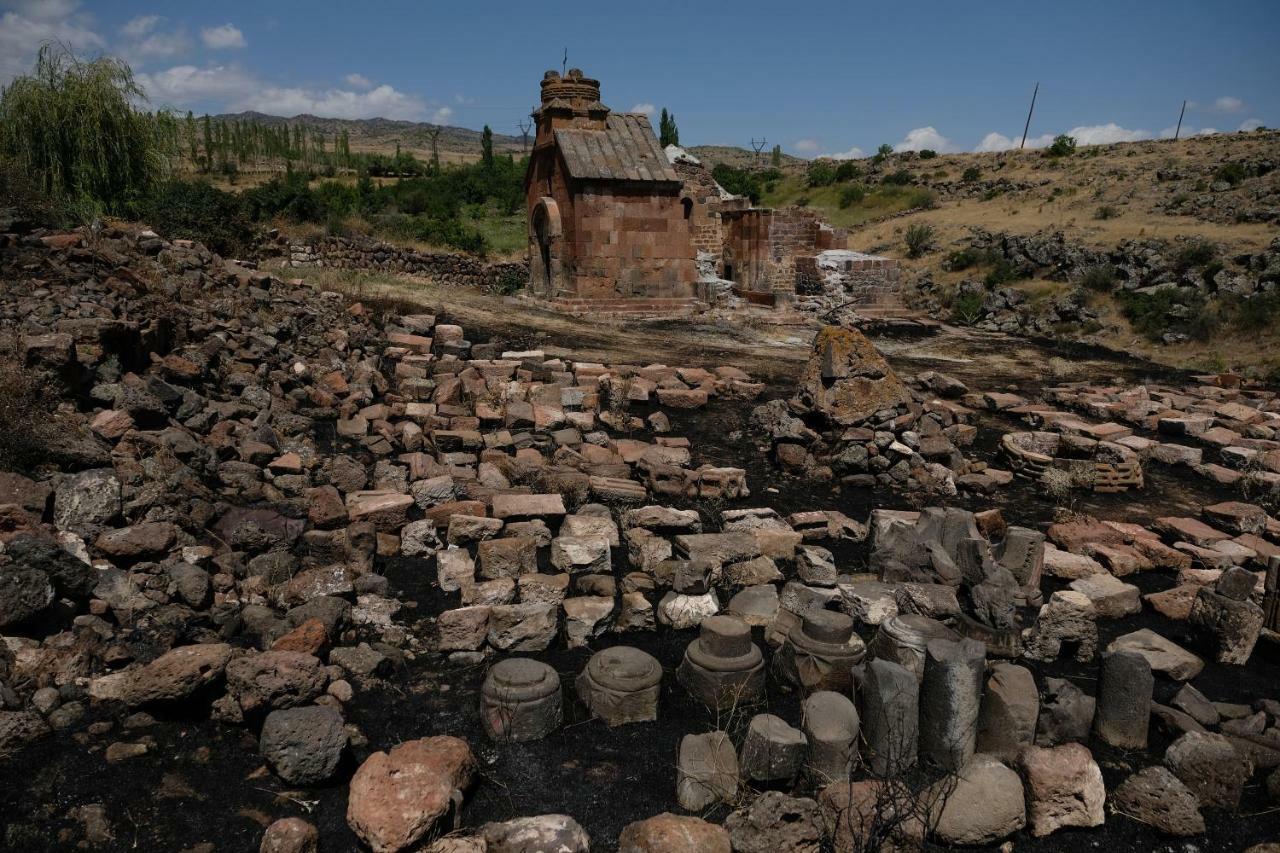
627	150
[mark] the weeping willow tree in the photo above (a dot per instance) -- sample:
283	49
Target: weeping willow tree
73	125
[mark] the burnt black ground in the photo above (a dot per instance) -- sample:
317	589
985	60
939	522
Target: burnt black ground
204	782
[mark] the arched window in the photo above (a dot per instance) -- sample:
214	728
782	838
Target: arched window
687	204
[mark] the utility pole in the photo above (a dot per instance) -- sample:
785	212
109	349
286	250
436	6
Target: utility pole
434	134
525	127
1027	127
758	147
1178	132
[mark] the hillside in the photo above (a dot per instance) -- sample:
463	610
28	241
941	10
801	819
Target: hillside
1129	209
380	135
741	158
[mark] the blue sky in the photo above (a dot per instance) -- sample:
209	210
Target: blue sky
818	78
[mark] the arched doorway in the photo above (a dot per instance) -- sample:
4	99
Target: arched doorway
545	270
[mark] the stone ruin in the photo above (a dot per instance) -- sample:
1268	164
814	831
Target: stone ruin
619	225
852	419
223	540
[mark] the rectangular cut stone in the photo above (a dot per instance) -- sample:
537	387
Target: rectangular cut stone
1191	530
508	557
527	506
719	548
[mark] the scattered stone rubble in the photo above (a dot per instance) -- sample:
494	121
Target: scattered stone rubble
249	453
853	420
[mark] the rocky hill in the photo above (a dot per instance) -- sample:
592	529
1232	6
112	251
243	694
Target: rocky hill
1161	248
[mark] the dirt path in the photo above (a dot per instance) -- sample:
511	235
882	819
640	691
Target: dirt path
769	350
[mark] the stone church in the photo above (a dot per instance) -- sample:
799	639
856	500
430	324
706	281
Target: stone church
607	220
617	224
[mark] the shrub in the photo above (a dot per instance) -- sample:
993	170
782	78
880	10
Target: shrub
1210	272
1063	146
851	195
921	198
919	237
900	178
1100	278
962	259
1106	211
971	175
882	154
927	154
1258	312
1195	253
737	181
1169	309
847	171
1000	273
967	308
510	280
198	211
1232	173
821	174
73	126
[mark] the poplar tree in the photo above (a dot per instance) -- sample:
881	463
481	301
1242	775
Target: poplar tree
486	147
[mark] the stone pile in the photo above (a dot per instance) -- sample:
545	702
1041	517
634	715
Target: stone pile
853	420
242	458
1214	426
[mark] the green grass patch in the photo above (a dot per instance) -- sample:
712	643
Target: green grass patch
876	201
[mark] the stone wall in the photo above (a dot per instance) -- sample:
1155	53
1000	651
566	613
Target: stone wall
766	249
444	267
867	280
630	243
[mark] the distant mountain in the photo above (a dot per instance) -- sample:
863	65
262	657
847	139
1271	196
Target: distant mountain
382	134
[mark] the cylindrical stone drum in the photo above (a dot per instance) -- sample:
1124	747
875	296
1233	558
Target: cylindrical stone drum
902	640
620	685
820	652
520	700
722	667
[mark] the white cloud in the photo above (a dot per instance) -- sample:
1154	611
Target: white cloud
643	107
358	81
185	85
140	26
1228	104
157	46
806	146
921	138
442	115
995	142
1206	131
1251	124
230	88
225	37
28	25
853	153
1105	134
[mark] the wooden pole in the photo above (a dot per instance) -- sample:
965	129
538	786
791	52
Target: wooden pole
1178	132
1027	127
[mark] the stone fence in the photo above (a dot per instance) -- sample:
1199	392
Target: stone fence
443	267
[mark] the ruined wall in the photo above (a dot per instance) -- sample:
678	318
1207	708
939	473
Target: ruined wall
444	267
706	229
864	280
763	248
629	243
